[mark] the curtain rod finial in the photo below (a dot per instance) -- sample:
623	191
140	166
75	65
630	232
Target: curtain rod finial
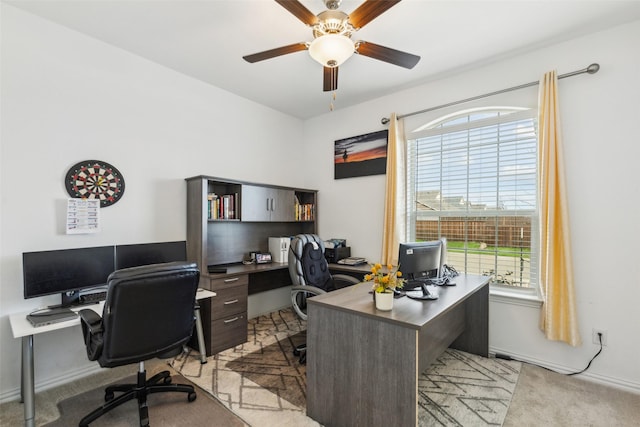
593	68
385	121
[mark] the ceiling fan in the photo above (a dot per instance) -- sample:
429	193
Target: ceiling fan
332	44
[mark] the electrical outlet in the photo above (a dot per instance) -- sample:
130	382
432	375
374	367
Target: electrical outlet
596	339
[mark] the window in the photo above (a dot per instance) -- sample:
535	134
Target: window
472	178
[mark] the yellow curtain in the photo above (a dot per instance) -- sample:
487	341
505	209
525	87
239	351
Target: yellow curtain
394	207
558	318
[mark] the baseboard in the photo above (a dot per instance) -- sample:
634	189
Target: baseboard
618	383
55	381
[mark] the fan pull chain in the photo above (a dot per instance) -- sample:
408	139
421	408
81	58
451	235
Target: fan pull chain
333	98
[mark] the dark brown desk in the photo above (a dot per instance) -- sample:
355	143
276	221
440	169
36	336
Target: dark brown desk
363	364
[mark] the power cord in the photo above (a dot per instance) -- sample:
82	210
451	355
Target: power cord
592	359
507	357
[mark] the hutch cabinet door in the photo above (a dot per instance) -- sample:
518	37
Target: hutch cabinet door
267	204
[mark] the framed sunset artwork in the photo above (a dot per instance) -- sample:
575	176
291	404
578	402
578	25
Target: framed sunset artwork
361	155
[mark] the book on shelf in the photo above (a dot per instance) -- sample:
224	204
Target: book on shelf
212	203
222	207
305	211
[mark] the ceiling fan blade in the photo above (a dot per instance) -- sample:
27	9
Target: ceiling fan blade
299	11
370	10
330	82
272	53
386	54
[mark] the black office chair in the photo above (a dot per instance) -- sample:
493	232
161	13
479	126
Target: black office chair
148	313
309	271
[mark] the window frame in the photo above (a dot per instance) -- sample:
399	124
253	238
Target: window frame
439	126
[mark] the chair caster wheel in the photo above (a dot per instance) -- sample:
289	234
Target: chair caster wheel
296	352
191	397
108	396
166	380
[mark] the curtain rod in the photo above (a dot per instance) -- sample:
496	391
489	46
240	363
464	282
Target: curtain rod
591	69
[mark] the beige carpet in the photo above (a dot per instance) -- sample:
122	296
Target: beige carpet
165	409
546	398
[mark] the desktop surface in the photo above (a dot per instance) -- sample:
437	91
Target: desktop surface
406	311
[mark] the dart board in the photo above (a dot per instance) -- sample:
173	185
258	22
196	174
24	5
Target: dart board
95	179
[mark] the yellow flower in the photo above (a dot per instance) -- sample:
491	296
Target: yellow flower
383	280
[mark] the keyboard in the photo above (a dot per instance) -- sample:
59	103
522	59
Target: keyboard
417	283
93	297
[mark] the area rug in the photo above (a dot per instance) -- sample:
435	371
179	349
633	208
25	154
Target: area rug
462	389
165	409
263	382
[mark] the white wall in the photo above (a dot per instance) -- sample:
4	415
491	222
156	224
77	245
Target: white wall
600	115
66	98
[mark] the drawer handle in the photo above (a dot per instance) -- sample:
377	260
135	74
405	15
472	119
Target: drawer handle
233	301
231	320
233	279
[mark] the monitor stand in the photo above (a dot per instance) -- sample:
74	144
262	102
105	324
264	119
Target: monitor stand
426	295
71	299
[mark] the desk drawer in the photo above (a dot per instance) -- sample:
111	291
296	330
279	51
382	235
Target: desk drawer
226	281
228	332
229	301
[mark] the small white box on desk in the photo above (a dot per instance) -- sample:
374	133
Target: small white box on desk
279	248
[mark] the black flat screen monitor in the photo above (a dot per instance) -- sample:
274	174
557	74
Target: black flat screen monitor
150	253
67	270
419	261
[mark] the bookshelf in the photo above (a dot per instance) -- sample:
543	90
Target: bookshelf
228	219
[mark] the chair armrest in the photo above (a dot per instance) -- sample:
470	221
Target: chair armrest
307	289
344	280
299	295
92	320
92	332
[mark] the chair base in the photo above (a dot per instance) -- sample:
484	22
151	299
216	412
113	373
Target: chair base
301	352
160	382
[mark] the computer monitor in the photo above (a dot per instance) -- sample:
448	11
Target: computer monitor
66	271
150	253
418	262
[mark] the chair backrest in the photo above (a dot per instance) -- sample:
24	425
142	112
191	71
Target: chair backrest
307	264
149	311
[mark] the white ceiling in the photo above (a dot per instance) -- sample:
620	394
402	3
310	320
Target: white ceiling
206	39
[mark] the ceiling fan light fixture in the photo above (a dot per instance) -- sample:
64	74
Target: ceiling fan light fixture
331	50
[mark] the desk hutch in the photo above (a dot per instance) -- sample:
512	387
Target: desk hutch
227	220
